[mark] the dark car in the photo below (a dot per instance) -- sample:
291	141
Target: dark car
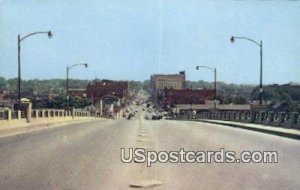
130	116
156	117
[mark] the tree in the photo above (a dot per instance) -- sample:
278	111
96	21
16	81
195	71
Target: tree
240	100
135	85
2	83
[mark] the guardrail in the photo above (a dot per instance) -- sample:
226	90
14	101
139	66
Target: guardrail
270	118
10	115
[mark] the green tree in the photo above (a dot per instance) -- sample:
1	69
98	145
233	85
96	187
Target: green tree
146	85
2	83
240	100
135	85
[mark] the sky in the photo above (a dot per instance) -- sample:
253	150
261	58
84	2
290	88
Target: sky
133	39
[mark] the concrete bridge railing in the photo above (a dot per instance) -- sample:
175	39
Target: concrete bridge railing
36	114
270	118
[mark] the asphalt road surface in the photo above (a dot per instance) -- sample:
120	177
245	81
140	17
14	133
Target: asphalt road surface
88	156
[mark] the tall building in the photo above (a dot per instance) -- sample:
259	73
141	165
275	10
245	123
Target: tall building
160	82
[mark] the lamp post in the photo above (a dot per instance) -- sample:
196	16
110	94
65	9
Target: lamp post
67	84
232	39
215	82
20	39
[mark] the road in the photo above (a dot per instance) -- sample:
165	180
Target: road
87	156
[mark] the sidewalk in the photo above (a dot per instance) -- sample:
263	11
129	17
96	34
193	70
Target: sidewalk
279	131
21	126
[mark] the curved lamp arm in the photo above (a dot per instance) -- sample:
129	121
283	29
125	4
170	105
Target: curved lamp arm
245	38
83	64
34	33
197	67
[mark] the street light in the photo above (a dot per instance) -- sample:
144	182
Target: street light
215	83
49	33
232	39
67	86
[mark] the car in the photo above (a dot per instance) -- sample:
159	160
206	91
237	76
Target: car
130	116
156	117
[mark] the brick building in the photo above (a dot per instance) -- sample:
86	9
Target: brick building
187	96
77	92
160	82
97	90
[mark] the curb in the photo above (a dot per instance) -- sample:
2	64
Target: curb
277	133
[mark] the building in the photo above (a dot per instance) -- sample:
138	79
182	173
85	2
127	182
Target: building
185	108
160	82
80	92
175	81
108	90
5	101
174	97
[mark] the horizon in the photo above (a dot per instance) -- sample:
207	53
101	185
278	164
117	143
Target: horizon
133	40
211	82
